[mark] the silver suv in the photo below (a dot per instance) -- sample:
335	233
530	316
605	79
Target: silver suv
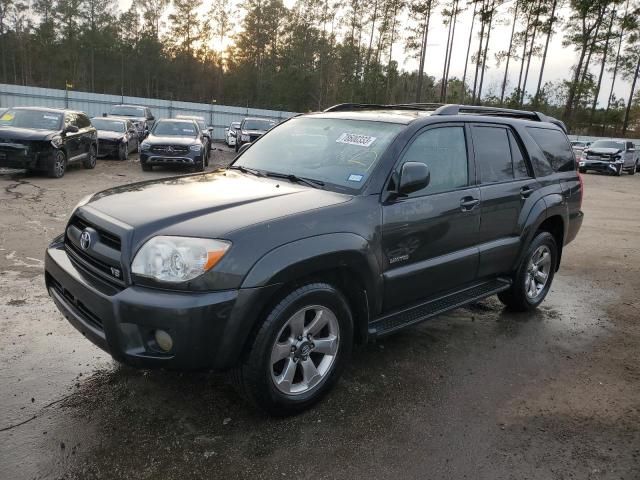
610	156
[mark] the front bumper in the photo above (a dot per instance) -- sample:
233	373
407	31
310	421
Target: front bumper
599	166
208	329
188	159
108	148
22	158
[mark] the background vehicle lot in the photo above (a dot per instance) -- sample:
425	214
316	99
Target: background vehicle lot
480	392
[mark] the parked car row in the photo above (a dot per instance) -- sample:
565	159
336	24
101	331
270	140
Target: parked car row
48	140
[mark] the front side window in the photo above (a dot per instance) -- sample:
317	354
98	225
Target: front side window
339	152
444	151
556	148
493	154
178	129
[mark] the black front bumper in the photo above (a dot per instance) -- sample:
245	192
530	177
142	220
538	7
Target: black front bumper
24	159
107	148
208	329
188	158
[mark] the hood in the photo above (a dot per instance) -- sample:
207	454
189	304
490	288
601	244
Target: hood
602	151
170	140
210	205
109	135
11	135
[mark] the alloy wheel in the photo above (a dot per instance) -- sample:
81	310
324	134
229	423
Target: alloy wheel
59	165
305	350
538	271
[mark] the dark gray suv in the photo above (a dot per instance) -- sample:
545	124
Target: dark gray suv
334	228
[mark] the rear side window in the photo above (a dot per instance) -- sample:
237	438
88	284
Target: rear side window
444	151
519	164
556	148
493	154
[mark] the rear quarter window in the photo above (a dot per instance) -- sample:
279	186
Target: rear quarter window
556	148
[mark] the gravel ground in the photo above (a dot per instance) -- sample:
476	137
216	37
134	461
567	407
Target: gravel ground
479	393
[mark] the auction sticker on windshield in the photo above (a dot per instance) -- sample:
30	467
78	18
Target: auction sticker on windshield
356	139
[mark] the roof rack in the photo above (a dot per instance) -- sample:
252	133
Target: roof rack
349	107
499	112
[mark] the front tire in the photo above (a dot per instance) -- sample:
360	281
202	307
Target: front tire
59	165
532	281
123	151
299	351
90	162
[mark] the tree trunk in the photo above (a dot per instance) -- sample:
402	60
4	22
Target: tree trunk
391	40
536	99
479	57
533	42
446	58
373	29
568	109
506	68
486	48
524	54
625	124
602	66
466	61
617	62
453	36
423	53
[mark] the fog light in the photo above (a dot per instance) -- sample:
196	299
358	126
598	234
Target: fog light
164	340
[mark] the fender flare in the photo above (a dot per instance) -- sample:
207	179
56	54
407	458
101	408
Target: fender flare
314	254
547	206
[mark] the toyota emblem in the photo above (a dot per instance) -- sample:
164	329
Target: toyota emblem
85	240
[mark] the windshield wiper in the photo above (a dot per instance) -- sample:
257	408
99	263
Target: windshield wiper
247	170
294	178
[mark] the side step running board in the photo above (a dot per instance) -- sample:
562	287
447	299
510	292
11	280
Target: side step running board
418	313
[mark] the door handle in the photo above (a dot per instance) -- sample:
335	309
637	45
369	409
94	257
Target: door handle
526	191
468	203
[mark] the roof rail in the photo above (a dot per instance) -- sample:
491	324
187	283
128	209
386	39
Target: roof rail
349	107
498	112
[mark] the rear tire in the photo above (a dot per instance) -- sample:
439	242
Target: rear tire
58	167
534	276
298	352
90	162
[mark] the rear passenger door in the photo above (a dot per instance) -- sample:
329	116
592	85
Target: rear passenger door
429	237
506	185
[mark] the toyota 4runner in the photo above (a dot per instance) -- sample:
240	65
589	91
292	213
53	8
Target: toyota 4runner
333	228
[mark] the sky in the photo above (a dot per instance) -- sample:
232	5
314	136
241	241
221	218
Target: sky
558	66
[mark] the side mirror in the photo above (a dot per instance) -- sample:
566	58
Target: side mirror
152	118
414	176
243	147
71	129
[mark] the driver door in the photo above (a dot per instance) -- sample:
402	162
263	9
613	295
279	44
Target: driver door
429	237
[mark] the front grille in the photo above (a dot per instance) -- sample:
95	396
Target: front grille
107	263
170	150
80	307
253	138
107	238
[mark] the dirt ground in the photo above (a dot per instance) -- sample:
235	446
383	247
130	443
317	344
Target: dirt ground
480	393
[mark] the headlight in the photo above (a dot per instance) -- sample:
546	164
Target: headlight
145	146
177	259
618	158
196	147
56	141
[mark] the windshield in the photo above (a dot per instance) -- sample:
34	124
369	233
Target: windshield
37	119
607	144
336	151
235	125
254	124
128	111
178	129
109	125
